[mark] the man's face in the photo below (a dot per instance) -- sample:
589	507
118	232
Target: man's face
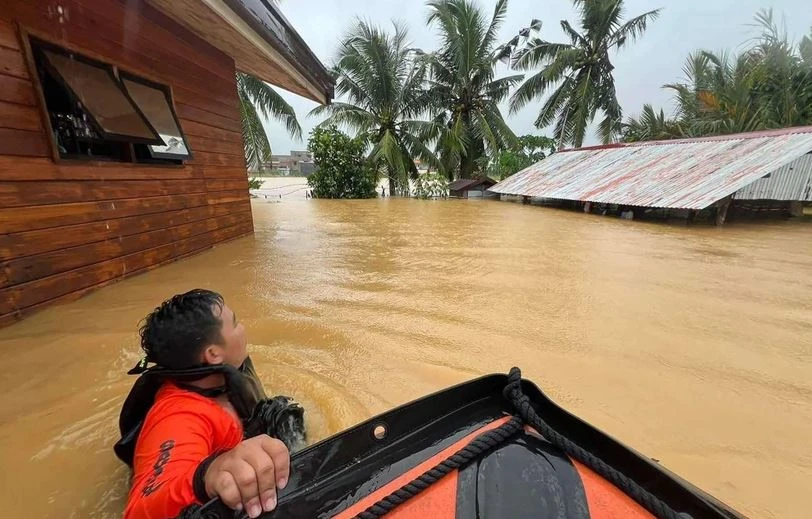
234	351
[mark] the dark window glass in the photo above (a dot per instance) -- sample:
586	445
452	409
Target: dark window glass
100	94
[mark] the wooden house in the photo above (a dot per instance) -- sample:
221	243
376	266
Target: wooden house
120	134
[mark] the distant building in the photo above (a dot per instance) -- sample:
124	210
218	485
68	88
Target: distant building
278	162
298	163
301	155
471	187
421	168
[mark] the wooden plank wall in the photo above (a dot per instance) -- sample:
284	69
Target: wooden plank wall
69	227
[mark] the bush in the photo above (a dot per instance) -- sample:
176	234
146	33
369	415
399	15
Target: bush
430	185
255	183
341	171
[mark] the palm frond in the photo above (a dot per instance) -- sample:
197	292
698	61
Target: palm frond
255	140
537	52
582	106
499	12
420	150
574	36
506	138
538	84
386	150
633	29
556	105
269	102
498	89
346	115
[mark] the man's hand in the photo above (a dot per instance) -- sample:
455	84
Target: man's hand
247	476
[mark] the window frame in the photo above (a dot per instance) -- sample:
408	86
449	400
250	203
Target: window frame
167	92
39	45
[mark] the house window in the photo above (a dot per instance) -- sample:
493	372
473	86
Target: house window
155	102
100	113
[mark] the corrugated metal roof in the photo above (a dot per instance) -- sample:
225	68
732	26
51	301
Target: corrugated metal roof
465	183
790	182
688	174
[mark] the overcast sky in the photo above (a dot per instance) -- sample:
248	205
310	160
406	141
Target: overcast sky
641	69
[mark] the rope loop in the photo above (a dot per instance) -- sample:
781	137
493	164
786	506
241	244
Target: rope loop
524	408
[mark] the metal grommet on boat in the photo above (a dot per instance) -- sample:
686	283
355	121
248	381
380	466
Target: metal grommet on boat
379	431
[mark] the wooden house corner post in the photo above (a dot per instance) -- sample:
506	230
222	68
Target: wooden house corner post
796	208
721	209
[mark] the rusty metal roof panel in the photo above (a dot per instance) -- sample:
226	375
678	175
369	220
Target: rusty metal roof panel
790	182
468	183
688	174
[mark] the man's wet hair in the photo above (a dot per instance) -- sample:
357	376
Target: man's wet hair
176	333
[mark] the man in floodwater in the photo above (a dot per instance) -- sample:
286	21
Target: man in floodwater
195	425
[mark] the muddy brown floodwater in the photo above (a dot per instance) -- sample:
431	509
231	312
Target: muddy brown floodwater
692	344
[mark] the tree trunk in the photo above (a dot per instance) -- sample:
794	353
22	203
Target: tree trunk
391	185
467	166
469	162
392	180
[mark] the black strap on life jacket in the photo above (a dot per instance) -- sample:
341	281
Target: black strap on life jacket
240	391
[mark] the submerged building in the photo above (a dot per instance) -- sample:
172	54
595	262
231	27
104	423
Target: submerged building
758	171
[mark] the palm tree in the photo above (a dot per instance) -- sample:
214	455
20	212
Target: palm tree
581	70
716	95
805	50
651	125
769	85
781	77
380	81
466	119
257	97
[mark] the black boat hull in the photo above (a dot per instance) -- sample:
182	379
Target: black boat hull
523	476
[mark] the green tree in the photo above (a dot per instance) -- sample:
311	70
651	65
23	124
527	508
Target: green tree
380	80
257	97
464	93
805	50
781	74
505	163
716	95
651	125
531	149
536	147
341	170
579	73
